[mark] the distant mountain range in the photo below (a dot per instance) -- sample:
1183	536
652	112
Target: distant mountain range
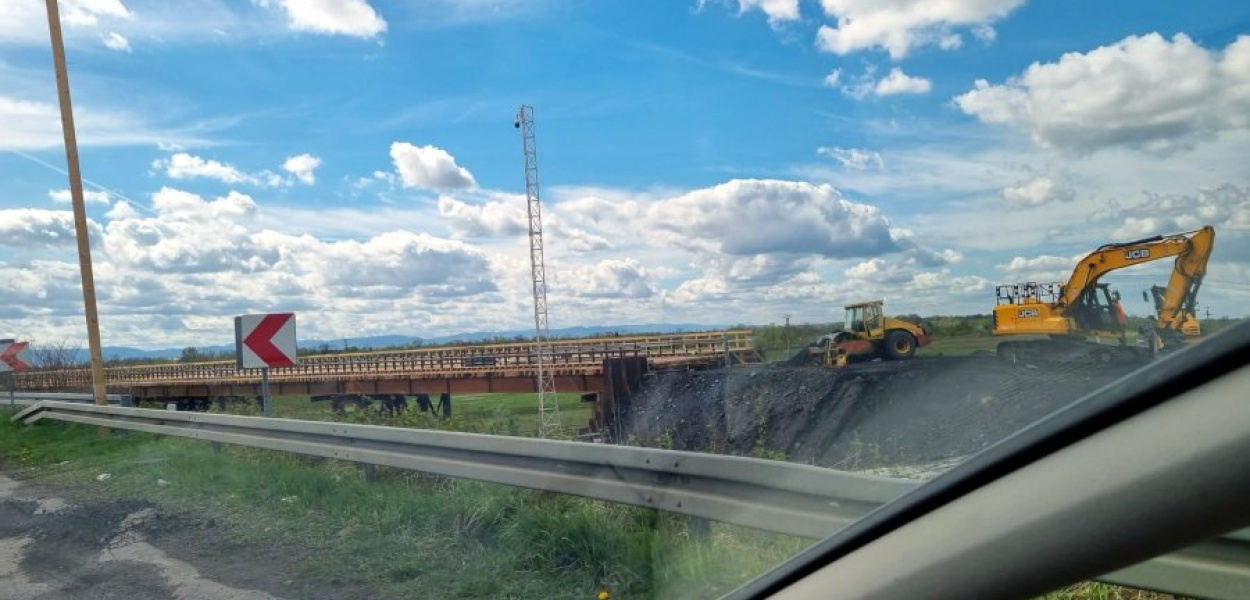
399	341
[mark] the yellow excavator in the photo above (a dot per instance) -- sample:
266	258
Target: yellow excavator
1083	320
1190	327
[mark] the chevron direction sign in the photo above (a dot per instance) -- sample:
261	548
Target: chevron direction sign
14	356
265	341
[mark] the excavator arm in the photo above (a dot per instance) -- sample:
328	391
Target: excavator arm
1192	249
1182	292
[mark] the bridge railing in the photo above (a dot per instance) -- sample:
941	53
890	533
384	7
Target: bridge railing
568	357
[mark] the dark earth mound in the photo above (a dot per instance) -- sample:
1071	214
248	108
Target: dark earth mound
866	415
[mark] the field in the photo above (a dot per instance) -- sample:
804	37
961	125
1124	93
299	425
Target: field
498	414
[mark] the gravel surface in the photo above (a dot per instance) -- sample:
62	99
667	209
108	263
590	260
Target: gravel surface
54	549
866	415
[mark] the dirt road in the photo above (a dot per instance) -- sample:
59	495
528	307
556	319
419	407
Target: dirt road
53	549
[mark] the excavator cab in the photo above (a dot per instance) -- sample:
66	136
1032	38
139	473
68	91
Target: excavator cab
1099	311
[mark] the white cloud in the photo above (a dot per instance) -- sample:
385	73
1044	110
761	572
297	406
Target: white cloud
1227	207
501	215
1041	188
1143	92
900	26
343	17
18	19
116	41
89	12
174	239
777	10
26	21
39	228
877	270
1042	268
834	78
429	167
498	218
185	166
611	278
188	166
242	256
88	196
121	210
302	167
898	82
400	261
163	281
576	240
894	83
747	217
702	290
854	158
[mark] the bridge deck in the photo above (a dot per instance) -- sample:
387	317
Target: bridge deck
578	364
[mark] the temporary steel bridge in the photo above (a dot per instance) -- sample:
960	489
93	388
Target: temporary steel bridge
606	367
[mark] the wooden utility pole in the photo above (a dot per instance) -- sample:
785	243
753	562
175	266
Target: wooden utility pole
98	388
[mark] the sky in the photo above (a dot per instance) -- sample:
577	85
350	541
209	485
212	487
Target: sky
701	161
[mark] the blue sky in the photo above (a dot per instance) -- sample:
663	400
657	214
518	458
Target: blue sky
709	161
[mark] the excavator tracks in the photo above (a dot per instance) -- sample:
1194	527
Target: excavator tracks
1067	352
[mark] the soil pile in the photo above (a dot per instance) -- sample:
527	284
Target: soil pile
866	415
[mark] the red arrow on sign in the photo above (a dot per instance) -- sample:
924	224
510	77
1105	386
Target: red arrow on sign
11	356
260	340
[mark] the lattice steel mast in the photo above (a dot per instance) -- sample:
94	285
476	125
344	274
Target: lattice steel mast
548	406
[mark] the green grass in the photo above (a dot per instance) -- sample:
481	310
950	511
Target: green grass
1103	591
416	535
941	346
409	534
959	346
498	414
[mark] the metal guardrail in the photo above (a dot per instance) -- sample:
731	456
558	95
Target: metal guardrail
29	398
787	498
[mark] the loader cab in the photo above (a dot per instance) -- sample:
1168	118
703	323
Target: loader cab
866	319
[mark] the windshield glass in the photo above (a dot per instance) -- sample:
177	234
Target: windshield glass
855	318
630	228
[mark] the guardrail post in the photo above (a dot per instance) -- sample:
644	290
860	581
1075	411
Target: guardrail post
371	473
699	528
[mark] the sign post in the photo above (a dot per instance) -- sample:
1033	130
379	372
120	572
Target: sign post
264	342
264	392
14	356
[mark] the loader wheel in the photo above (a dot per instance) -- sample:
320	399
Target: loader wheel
899	345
